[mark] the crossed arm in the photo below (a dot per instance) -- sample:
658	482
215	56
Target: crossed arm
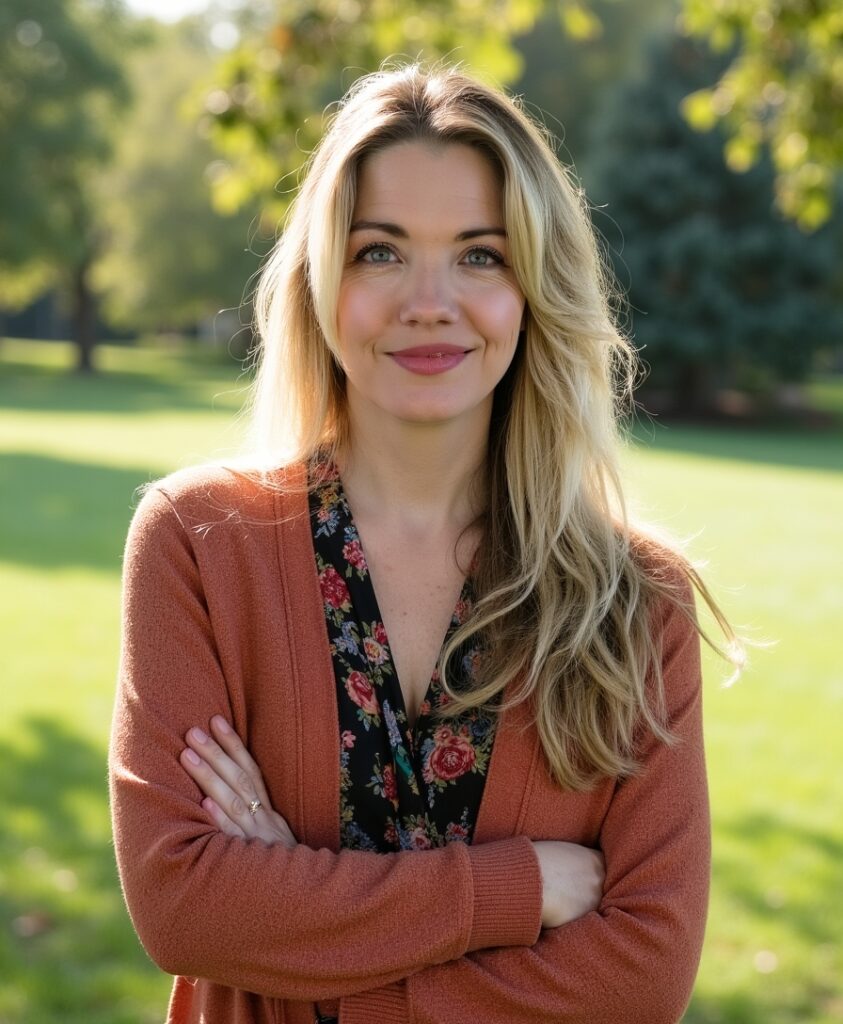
237	802
188	878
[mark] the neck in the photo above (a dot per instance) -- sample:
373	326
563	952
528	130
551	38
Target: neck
416	478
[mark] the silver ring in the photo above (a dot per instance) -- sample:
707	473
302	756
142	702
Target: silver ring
254	806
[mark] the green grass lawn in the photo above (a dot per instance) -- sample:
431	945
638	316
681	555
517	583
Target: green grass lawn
762	507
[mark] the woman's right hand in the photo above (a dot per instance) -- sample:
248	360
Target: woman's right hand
231	781
572	881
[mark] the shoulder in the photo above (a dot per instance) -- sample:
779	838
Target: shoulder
214	494
661	562
666	575
668	580
212	502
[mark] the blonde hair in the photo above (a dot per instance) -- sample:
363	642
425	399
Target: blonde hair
565	591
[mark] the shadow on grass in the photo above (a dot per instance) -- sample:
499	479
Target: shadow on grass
62	514
797	447
811	914
173	382
797	992
68	953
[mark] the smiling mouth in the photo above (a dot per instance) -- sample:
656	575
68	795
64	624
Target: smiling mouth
429	359
432	351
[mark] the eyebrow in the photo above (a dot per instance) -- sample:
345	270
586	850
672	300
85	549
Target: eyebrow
398	232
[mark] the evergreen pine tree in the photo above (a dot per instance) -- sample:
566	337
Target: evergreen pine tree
722	291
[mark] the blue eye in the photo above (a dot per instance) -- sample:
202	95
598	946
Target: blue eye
483	257
375	252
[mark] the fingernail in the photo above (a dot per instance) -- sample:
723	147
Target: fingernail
222	725
198	735
192	756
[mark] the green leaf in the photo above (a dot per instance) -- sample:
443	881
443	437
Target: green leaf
580	22
698	110
741	153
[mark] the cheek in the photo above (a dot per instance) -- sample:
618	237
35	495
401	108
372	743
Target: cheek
359	313
501	315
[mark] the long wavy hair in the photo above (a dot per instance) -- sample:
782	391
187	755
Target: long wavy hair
565	589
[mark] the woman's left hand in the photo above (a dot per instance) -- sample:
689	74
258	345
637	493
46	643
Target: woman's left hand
235	795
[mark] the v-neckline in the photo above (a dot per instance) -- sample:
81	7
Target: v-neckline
310	734
463	597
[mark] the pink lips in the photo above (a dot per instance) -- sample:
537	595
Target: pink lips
429	359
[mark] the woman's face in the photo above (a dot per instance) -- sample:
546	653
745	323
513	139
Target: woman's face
429	309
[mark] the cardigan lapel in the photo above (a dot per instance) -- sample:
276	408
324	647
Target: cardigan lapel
315	713
512	771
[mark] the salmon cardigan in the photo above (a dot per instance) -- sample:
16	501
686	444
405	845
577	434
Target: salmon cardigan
223	615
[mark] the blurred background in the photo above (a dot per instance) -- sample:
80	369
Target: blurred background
149	148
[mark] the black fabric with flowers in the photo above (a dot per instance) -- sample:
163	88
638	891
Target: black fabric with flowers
400	788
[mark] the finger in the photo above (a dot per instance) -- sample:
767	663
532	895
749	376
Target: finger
214	786
236	750
236	777
221	819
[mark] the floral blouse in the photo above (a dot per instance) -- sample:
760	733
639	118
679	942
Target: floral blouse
400	788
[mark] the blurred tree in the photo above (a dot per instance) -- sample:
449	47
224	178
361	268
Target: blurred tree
781	90
782	85
567	79
170	260
61	85
297	56
724	290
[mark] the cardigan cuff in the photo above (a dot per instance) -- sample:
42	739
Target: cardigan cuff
507	894
384	1005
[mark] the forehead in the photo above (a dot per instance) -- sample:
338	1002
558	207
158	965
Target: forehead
420	180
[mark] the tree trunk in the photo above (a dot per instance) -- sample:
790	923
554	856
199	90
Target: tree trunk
84	316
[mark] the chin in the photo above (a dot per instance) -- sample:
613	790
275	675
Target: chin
413	406
428	416
440	402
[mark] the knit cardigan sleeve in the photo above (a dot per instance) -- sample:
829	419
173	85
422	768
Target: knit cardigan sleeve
633	960
301	923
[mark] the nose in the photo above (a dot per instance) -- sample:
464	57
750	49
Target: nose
428	297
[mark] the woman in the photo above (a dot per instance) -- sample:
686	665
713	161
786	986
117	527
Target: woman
510	825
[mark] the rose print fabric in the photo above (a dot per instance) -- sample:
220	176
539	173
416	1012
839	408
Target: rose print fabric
400	788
